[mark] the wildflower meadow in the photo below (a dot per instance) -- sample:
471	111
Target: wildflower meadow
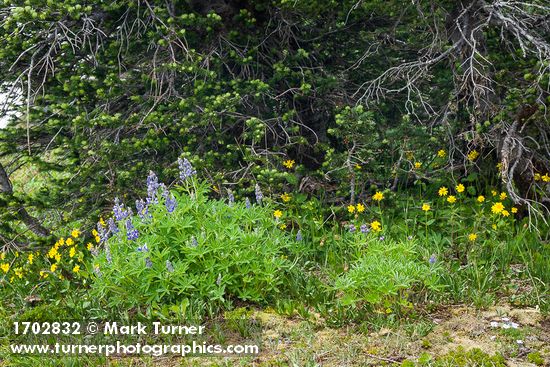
274	183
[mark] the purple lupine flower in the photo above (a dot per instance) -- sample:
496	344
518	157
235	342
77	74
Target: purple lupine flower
219	280
382	238
113	228
230	197
152	186
102	233
169	266
108	255
351	228
247	203
186	169
142	208
148	263
194	242
432	259
94	251
364	228
97	271
164	191
299	235
170	203
131	232
259	194
119	211
143	248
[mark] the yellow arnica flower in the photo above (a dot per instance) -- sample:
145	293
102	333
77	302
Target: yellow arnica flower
378	196
441	153
282	226
52	252
358	167
58	257
376	226
61	241
481	198
460	188
89	246
546	178
75	233
473	155
497	208
30	258
503	196
494	226
505	213
286	197
426	207
102	222
97	239
5	267
417	164
499	166
72	252
451	199
494	193
537	177
443	191
514	210
351	208
19	273
53	268
76	269
360	208
2	255
472	236
94	232
289	163
69	242
277	214
43	274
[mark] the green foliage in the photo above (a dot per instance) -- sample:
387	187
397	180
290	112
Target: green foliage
205	251
384	273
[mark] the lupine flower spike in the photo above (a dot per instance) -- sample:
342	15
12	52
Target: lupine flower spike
247	203
186	169
131	232
299	235
113	228
230	197
152	186
259	194
169	266
171	203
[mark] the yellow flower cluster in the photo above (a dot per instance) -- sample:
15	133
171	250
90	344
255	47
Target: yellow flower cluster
289	163
359	208
378	196
544	178
472	156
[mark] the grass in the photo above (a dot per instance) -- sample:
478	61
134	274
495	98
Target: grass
420	288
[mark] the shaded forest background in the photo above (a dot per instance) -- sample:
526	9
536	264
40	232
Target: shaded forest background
355	92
